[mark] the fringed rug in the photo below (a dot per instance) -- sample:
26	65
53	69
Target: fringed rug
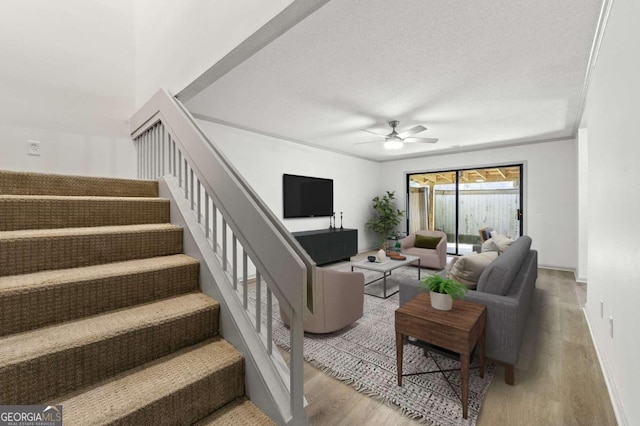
364	356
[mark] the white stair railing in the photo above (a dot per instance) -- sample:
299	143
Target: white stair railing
249	242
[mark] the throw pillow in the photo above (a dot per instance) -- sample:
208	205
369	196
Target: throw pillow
498	243
426	241
489	245
467	269
502	242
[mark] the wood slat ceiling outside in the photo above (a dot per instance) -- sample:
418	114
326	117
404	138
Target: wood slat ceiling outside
501	174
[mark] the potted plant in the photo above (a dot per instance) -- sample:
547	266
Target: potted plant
388	216
443	291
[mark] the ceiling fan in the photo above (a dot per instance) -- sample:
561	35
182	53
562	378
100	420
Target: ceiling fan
395	140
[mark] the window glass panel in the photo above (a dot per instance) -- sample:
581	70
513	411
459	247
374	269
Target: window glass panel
462	202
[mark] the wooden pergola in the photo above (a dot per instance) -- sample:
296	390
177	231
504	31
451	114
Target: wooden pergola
499	174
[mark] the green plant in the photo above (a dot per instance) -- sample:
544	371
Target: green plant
388	216
448	286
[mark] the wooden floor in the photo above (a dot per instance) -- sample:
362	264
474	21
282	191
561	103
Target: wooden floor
558	377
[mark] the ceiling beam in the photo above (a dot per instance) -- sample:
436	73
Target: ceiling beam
289	17
482	175
447	178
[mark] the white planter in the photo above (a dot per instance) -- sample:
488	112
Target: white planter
440	301
382	256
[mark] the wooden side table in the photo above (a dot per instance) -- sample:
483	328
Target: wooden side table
458	330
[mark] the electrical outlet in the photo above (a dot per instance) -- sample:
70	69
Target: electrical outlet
601	308
611	326
33	148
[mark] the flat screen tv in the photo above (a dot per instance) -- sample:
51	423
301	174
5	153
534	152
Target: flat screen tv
305	196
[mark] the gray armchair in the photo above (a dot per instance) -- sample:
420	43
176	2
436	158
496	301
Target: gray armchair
429	258
339	301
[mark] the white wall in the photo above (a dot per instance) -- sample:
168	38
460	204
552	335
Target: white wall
67	80
550	183
550	191
614	200
176	41
582	153
263	160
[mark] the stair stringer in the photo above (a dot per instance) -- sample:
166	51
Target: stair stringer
266	376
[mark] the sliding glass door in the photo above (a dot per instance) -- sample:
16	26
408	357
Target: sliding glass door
462	202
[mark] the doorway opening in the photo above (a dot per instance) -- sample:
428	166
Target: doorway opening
462	202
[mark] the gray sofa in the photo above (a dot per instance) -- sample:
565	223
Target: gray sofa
505	287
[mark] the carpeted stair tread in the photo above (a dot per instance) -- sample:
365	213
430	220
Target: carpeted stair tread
41	298
64	357
48	211
178	389
29	345
27	251
25	183
80	231
240	412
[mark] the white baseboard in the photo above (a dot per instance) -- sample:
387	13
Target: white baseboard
557	268
613	394
368	249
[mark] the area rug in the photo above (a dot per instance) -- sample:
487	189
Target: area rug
363	355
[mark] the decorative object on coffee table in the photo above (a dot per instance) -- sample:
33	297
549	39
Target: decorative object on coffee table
443	291
397	256
387	217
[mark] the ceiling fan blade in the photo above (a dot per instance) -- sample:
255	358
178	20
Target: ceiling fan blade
421	140
362	143
412	131
374	133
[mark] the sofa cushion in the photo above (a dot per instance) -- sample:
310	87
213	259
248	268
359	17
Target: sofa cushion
498	276
467	269
427	241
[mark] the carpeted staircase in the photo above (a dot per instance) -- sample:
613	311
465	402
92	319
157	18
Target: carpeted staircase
101	312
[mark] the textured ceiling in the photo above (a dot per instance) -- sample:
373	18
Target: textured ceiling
474	73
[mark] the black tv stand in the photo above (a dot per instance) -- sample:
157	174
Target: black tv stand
329	245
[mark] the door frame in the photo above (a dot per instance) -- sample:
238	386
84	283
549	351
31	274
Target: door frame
520	164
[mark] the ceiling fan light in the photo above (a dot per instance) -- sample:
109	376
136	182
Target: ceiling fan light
393	143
